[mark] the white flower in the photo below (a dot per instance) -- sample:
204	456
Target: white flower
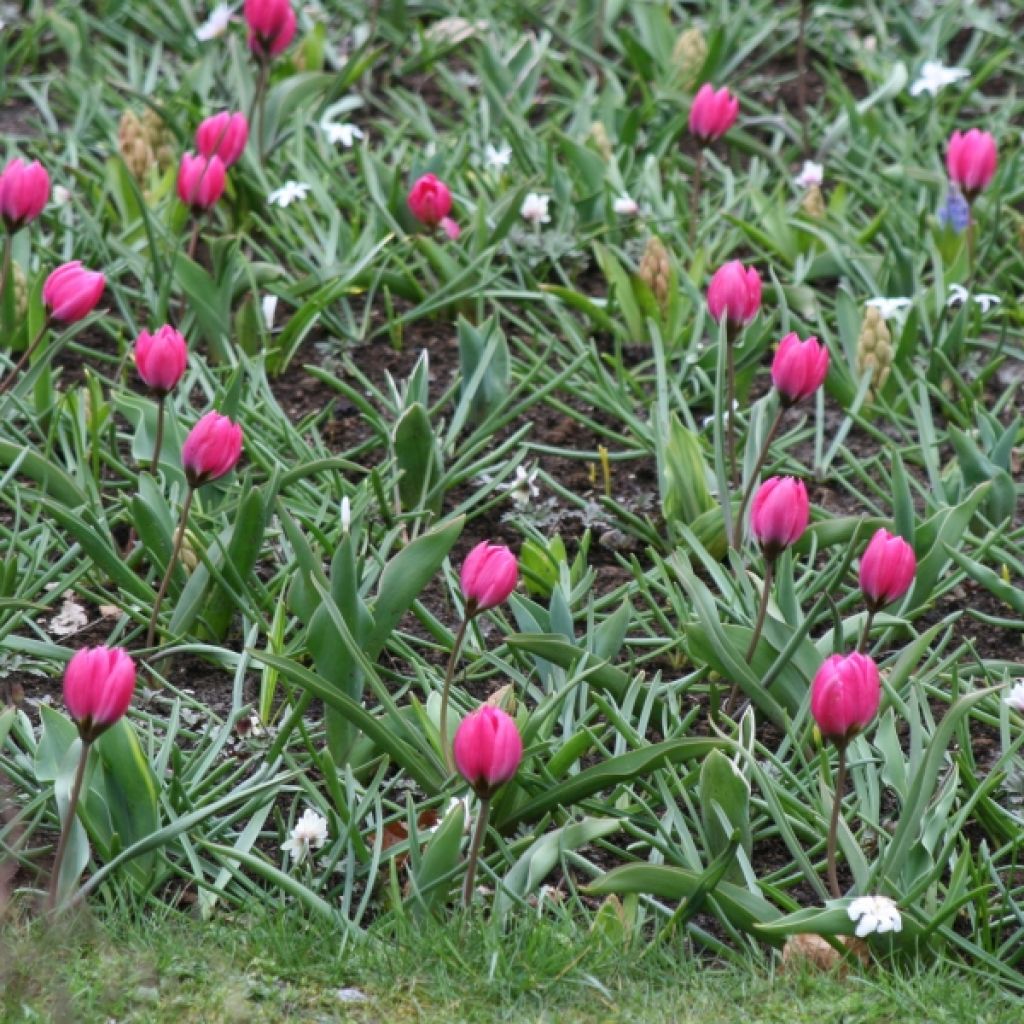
626	206
346	514
344	133
535	208
987	300
288	193
935	76
1015	698
957	295
875	914
61	195
810	174
496	158
309	833
889	307
215	25
523	489
268	306
70	619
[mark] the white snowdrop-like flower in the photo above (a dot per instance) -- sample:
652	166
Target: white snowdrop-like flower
874	916
1015	698
70	619
268	307
810	174
497	158
341	133
309	833
626	206
523	489
346	514
61	195
535	208
216	24
935	76
957	295
889	307
987	300
288	193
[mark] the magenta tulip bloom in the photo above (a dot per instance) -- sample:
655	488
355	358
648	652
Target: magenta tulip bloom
98	687
24	191
71	292
971	160
161	358
799	367
845	695
224	135
886	569
489	574
271	24
735	293
487	749
201	180
430	202
779	514
713	113
212	448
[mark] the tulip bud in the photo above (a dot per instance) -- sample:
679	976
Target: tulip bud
735	293
799	367
161	358
887	569
487	749
224	135
971	160
24	191
430	200
874	348
845	695
489	574
271	24
98	687
656	270
689	55
201	181
712	113
71	292
779	514
212	448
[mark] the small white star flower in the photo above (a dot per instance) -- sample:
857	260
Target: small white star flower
523	489
875	915
626	206
309	833
338	133
810	174
987	300
889	307
957	295
288	193
497	158
535	208
346	514
61	196
268	306
1015	698
935	76
216	24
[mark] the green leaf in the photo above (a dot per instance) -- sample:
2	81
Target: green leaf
723	788
439	861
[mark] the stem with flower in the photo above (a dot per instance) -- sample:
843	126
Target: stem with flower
66	826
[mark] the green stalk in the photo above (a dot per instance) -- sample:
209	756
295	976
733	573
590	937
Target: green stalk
6	383
762	611
160	403
65	832
737	532
460	636
178	540
474	851
695	186
833	827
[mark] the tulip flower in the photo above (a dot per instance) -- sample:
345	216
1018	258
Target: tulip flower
887	570
799	367
430	202
24	192
488	750
271	24
98	687
971	159
201	181
779	514
845	695
712	113
224	135
161	359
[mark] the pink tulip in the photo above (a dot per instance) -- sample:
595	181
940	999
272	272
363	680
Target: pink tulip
713	113
430	201
845	695
98	687
71	292
799	367
735	293
212	448
971	160
487	749
779	514
271	26
224	135
489	574
24	191
201	180
886	569
161	358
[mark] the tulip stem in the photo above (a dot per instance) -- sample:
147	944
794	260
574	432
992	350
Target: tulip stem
6	383
66	826
460	636
762	611
158	444
474	851
179	538
695	185
5	270
971	244
801	72
730	401
257	109
833	827
866	633
737	529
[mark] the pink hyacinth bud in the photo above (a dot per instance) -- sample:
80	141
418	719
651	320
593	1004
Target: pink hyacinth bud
24	191
224	135
779	514
271	26
161	358
98	687
845	695
799	367
72	292
212	448
487	749
489	574
971	160
887	568
430	200
713	113
201	180
735	293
